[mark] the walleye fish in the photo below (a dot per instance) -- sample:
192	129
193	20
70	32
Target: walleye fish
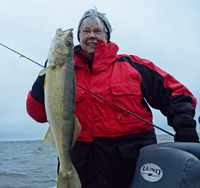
60	87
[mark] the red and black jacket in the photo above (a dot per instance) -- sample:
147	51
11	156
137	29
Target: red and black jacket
126	80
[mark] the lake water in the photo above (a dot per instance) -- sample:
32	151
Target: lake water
30	164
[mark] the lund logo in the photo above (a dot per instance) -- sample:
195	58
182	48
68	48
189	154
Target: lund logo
151	172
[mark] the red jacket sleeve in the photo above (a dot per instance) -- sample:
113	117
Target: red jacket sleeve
35	101
35	109
162	91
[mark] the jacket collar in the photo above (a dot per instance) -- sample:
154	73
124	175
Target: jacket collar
105	53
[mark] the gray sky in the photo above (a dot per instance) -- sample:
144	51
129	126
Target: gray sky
167	32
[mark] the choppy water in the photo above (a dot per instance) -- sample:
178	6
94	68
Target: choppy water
27	164
30	164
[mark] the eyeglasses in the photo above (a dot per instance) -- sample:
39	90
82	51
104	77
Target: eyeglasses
96	32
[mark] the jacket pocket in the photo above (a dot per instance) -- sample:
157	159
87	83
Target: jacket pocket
80	107
128	96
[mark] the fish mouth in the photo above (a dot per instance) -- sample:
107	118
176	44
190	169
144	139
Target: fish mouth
68	30
60	32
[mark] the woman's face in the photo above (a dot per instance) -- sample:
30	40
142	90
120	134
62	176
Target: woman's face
90	34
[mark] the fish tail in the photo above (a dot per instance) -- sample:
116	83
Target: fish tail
68	179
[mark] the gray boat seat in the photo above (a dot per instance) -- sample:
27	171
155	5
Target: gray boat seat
168	165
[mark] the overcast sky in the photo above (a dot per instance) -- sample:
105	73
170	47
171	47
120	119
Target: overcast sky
167	32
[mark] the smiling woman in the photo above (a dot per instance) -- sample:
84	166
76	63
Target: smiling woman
107	149
92	28
90	35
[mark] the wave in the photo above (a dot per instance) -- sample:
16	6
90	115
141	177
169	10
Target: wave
13	174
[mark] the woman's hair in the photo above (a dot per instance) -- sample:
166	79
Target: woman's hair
93	15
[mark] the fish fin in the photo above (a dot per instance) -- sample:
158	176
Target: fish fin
47	69
49	140
77	130
69	179
45	82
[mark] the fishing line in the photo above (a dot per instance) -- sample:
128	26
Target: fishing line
97	95
45	18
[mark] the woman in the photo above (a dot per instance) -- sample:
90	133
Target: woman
107	149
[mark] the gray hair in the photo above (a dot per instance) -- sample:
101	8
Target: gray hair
93	15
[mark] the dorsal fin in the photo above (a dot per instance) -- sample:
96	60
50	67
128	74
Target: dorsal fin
49	140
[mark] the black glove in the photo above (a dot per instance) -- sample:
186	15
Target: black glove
186	132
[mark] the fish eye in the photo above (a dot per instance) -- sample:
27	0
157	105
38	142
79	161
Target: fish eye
69	42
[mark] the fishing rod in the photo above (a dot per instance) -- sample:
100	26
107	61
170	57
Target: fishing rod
21	55
97	95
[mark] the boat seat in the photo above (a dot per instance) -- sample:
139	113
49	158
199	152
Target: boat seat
168	165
